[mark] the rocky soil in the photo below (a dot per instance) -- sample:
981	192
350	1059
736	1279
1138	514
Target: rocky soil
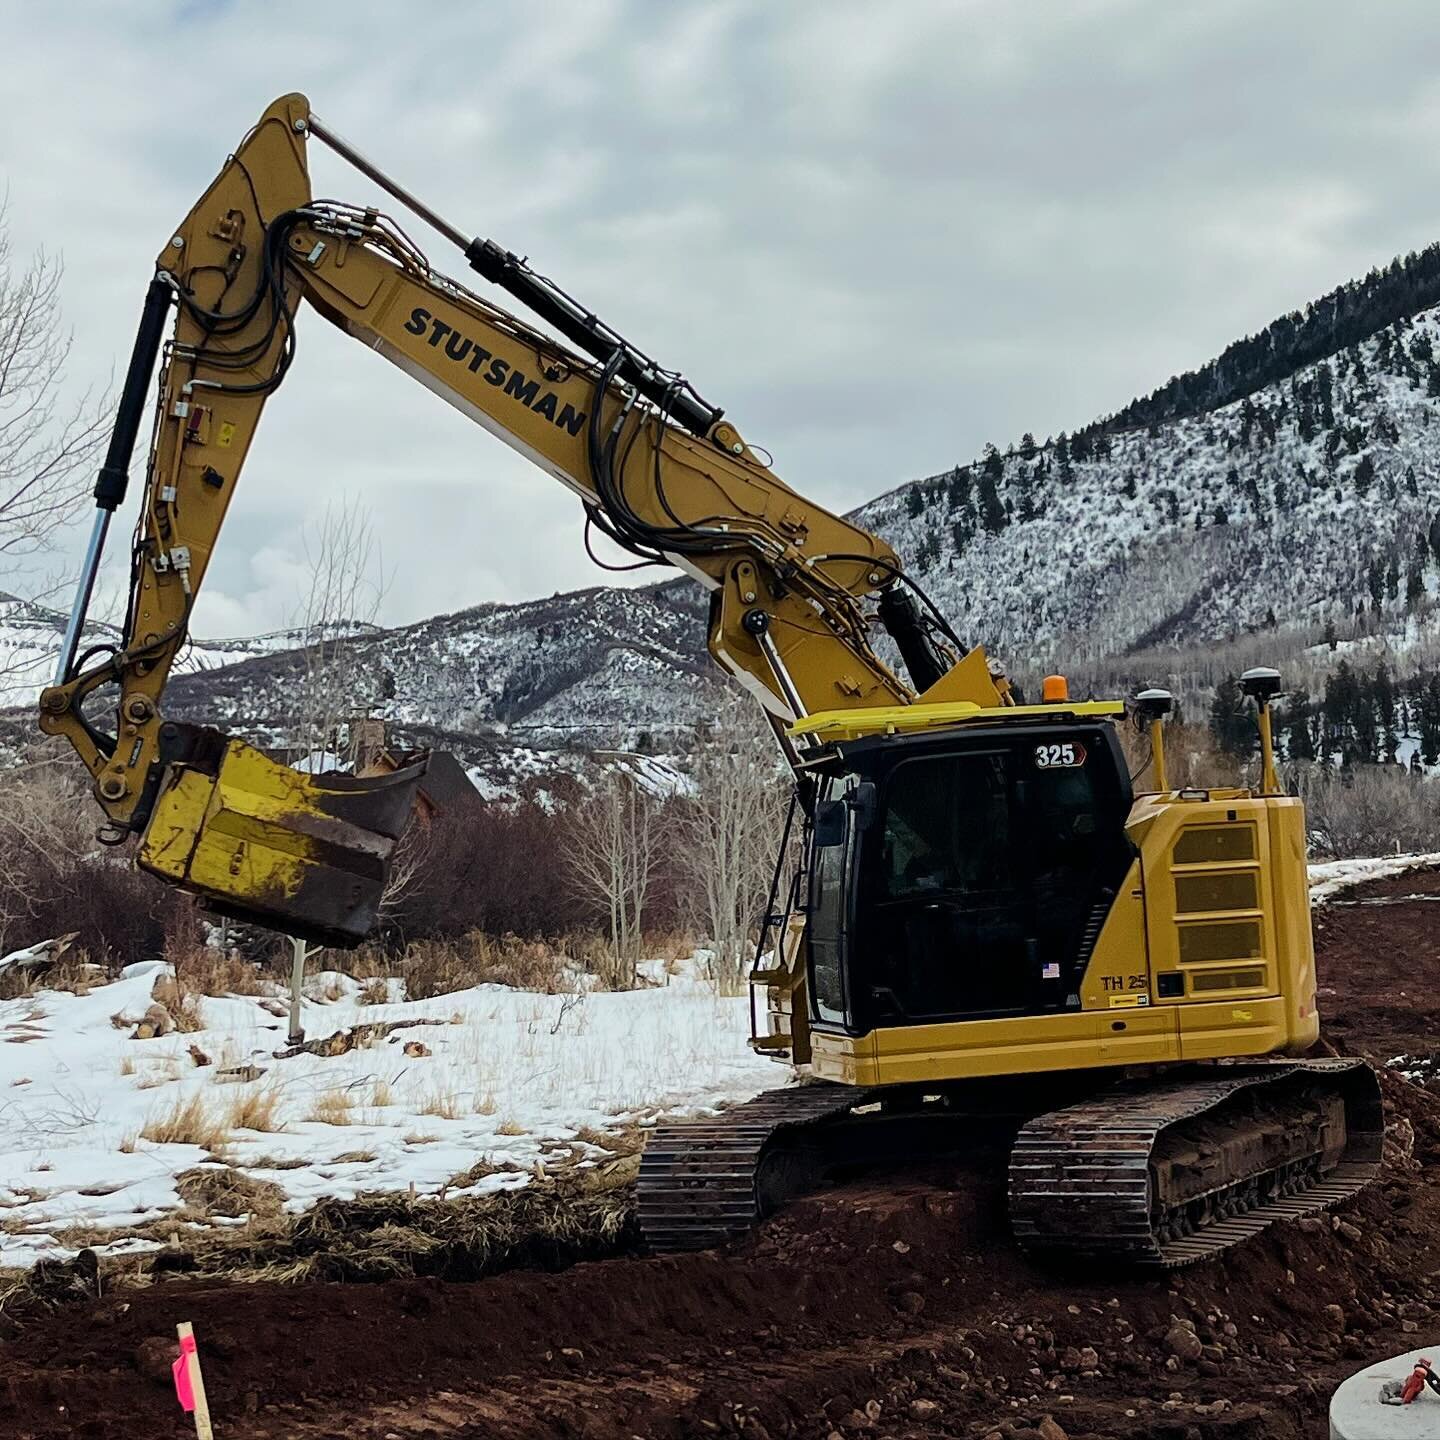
894	1308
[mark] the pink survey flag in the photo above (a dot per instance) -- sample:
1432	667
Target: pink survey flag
184	1391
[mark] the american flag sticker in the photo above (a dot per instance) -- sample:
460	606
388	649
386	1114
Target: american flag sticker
1051	971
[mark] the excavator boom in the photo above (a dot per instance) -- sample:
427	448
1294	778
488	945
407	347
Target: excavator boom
658	469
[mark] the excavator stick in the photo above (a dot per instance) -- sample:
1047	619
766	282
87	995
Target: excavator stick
257	840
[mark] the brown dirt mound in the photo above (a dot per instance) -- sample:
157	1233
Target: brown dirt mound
895	1308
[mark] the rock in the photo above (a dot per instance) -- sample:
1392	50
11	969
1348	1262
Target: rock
1409	1326
198	1056
1335	1317
900	1248
1089	1360
415	1050
1182	1341
155	1023
911	1302
1398	1148
923	1409
1349	1231
154	1356
1049	1429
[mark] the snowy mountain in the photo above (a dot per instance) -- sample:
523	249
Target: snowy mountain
1279	505
511	689
1314	499
30	636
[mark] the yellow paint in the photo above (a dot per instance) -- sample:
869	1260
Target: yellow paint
829	725
227	434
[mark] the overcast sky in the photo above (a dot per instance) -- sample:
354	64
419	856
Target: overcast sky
878	234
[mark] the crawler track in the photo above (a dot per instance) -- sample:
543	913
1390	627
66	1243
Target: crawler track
1084	1181
1161	1172
703	1182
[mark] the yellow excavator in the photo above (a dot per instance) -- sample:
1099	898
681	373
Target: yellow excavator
986	920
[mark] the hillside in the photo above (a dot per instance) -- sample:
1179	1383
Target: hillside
30	636
497	684
1280	505
1316	499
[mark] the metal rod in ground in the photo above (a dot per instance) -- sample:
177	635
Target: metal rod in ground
297	980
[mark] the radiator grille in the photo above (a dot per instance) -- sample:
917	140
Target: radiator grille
1202	843
1227	979
1222	940
1224	890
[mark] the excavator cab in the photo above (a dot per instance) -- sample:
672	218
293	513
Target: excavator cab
963	875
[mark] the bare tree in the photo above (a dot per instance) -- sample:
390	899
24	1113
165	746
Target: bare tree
727	834
612	854
45	447
1367	810
44	831
345	590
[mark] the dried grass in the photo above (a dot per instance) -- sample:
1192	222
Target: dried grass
557	1220
443	1104
181	1005
510	1127
333	1107
186	1122
206	971
219	1190
73	972
375	992
630	1140
253	1108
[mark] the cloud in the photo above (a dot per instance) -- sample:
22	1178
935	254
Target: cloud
877	235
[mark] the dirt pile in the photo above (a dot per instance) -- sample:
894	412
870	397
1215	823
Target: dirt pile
896	1309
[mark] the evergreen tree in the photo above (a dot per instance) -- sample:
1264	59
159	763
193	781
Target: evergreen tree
1383	690
1325	396
1364	474
914	501
1331	638
1429	708
1299	745
1375	582
1027	446
992	512
1062	455
1414	587
1229	721
959	489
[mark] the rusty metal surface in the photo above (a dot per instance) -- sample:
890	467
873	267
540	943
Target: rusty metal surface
1081	1182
